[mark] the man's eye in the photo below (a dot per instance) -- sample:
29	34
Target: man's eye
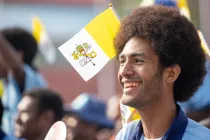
121	62
138	61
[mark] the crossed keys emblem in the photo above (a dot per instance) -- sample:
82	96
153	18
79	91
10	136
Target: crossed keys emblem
84	54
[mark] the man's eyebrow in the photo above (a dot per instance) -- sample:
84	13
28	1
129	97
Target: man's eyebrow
138	54
133	55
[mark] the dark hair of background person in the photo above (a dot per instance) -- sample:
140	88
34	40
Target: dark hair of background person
47	100
23	41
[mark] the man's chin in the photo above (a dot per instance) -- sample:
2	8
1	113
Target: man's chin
129	101
18	134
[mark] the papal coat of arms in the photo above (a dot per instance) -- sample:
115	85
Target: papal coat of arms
84	54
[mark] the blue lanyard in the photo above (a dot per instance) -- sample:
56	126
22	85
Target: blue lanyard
175	132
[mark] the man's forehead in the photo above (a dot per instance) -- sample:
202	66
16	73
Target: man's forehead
137	47
26	102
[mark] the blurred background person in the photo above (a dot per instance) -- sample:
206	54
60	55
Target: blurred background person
18	49
3	136
86	119
37	111
114	113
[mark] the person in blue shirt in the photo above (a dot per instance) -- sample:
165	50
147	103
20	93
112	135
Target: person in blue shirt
18	49
161	63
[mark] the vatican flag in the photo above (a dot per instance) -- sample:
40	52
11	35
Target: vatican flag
92	47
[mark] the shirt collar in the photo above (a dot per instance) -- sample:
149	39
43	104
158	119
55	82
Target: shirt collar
175	132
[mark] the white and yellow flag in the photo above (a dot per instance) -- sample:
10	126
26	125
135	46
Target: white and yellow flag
204	45
128	114
92	47
184	8
46	46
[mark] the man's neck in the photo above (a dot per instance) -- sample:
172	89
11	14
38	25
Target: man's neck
40	137
157	119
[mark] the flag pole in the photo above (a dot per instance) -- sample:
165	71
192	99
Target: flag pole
113	9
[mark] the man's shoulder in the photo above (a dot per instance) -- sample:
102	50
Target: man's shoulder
193	131
127	131
196	131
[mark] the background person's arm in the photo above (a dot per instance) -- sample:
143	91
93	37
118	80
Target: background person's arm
12	60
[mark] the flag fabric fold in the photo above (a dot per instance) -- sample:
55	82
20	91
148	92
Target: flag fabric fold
46	46
204	44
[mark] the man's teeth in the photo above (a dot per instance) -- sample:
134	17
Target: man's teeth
131	84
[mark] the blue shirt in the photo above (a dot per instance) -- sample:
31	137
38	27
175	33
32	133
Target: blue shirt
3	136
12	96
191	131
201	98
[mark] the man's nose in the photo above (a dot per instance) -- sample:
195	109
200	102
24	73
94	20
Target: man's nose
17	118
126	69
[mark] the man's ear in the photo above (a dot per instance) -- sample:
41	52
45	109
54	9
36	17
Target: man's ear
172	73
48	116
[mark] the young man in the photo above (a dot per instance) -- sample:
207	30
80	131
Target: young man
17	50
37	111
161	63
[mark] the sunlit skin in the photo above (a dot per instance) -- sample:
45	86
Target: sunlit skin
27	117
147	86
139	74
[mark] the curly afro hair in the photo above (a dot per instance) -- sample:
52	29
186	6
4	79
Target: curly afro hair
173	38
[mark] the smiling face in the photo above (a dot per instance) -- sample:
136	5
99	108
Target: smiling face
27	117
139	74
